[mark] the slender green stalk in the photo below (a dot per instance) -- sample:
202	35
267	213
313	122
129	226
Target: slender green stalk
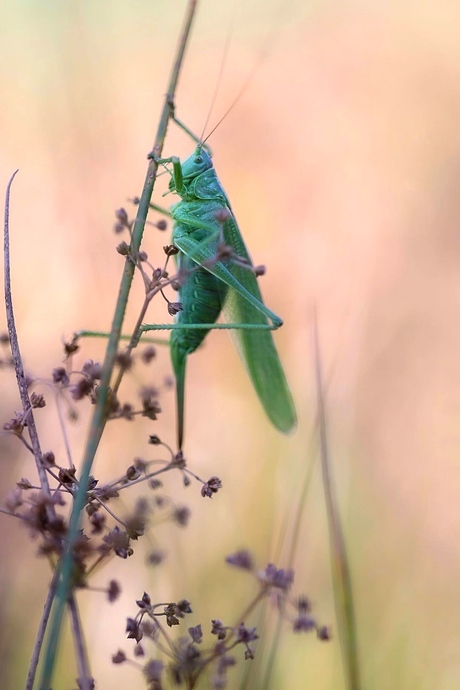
100	413
292	550
339	559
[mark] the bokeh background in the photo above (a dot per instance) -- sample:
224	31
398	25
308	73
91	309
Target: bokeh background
342	162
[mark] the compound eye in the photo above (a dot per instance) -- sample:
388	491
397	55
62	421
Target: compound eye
199	159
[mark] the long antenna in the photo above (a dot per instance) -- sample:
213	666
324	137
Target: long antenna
268	44
221	68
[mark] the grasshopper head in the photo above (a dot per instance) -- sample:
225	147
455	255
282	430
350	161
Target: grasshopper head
197	163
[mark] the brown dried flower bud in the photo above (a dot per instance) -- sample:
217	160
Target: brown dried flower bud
121	216
37	400
148	354
170	249
123	248
174	308
60	376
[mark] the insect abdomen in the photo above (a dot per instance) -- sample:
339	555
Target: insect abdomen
201	298
201	304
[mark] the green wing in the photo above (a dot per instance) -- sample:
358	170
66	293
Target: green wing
243	305
256	348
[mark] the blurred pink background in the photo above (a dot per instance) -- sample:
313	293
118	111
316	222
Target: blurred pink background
342	163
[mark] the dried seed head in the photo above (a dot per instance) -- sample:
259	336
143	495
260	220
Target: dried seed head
122	216
280	579
127	412
60	376
16	424
81	389
184	606
179	460
124	360
71	347
106	493
304	624
155	484
155	557
48	459
145	602
97	522
168	381
241	559
219	629
152	671
182	516
123	248
170	250
196	633
67	475
72	415
139	650
303	605
14	499
140	464
37	400
24	483
132	473
113	591
211	487
119	542
323	633
174	308
93	370
245	635
148	354
150	628
119	657
134	630
150	405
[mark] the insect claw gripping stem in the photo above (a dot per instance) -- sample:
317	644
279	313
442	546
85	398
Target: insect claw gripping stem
177	170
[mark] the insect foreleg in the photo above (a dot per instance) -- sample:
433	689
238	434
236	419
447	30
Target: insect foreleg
176	173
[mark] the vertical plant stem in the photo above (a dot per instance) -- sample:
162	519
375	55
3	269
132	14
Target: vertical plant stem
16	353
339	559
41	632
100	413
84	676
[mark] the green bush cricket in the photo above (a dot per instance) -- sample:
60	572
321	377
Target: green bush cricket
218	275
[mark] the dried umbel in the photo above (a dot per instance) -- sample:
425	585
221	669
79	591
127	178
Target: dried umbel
187	658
